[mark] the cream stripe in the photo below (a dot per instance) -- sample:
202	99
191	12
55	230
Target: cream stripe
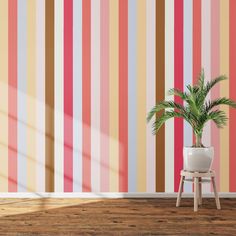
59	112
206	64
95	95
113	94
169	83
151	96
141	95
4	95
224	91
31	95
40	153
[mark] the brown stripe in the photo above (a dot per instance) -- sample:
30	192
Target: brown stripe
49	95
160	92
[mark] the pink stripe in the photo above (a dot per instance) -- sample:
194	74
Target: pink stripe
68	95
123	95
104	95
86	96
178	83
215	65
12	95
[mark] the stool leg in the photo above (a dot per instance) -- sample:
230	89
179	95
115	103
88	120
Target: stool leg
216	193
181	184
200	192
196	193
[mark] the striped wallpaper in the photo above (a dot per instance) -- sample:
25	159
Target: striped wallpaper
77	78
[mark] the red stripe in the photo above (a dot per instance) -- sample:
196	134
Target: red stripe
232	86
104	95
123	95
178	83
86	96
215	68
12	95
196	41
68	95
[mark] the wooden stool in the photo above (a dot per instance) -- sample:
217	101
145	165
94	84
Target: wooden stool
196	178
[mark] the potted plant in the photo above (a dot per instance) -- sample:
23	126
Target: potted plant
197	111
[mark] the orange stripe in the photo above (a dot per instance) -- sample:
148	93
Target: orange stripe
160	92
49	95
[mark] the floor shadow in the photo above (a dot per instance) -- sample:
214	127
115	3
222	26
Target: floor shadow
117	217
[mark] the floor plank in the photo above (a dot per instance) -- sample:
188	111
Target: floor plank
50	216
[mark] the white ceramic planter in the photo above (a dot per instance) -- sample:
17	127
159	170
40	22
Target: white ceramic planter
198	159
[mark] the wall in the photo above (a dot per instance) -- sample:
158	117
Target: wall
77	78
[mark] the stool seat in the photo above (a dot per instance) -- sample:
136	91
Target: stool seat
197	179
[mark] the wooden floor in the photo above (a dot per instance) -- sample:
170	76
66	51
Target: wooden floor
115	217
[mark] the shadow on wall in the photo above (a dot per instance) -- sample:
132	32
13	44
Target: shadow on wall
31	164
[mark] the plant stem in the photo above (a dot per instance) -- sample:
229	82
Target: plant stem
198	140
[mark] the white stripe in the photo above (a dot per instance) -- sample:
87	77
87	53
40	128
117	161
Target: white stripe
188	67
151	96
40	117
206	64
169	83
77	96
59	111
95	95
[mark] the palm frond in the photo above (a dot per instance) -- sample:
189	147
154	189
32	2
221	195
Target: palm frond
163	118
218	117
177	92
220	101
201	80
164	105
212	83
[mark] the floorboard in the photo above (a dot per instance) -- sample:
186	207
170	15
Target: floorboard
50	216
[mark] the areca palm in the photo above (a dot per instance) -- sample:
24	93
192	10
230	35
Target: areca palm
198	109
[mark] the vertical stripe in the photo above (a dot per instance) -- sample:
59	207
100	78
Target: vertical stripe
150	93
188	67
196	39
206	65
31	95
104	115
132	91
113	95
95	96
215	93
86	94
68	95
206	56
12	95
141	95
4	95
123	95
40	114
160	93
224	92
59	96
169	83
21	96
178	71
77	95
232	94
49	94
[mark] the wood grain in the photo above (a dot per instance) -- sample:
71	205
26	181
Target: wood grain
115	217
